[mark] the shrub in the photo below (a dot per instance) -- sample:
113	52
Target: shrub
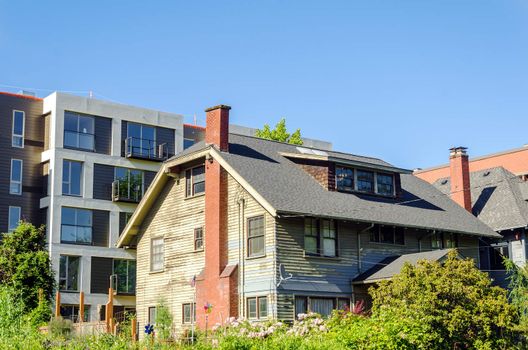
163	321
60	327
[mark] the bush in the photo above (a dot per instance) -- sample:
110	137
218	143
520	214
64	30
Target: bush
60	327
163	327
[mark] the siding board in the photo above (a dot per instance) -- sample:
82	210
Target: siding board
102	181
100	277
100	228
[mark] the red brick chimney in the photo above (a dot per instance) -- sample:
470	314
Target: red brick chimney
460	185
217	127
217	285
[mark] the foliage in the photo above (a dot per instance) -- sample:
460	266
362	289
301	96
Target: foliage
25	263
163	321
518	291
59	327
445	305
280	133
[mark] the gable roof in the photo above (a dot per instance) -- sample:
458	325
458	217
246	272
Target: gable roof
282	187
391	266
498	197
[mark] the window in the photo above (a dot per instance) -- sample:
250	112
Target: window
385	184
320	233
128	184
71	312
79	131
198	238
71	178
188	313
14	218
387	234
15	185
156	254
69	273
365	181
125	271
320	305
195	181
444	240
256	236
141	140
76	225
436	240
187	143
17	139
152	315
344	179
450	240
257	308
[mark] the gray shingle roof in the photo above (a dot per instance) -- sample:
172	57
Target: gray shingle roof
392	266
498	197
289	189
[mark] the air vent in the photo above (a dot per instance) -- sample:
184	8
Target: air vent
443	182
486	174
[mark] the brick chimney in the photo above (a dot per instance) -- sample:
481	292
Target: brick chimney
217	284
217	127
460	184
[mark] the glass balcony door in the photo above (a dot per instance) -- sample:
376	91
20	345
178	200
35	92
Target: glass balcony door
129	184
142	140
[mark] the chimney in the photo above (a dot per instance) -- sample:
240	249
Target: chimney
459	169
217	127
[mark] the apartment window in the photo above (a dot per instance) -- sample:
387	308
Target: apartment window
141	140
198	238
71	178
257	308
320	233
187	143
365	181
128	184
14	218
15	185
152	315
71	312
125	271
195	181
385	184
17	139
387	234
156	254
79	131
256	236
76	225
188	312
69	273
344	179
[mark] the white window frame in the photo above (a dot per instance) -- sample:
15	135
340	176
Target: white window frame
18	182
13	135
154	268
9	228
81	180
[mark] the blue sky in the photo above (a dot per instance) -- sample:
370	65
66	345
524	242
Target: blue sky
400	80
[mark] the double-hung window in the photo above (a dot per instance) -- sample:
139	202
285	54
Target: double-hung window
76	225
344	179
79	131
365	181
195	181
17	139
311	236
129	183
443	240
256	236
15	185
385	184
14	218
71	178
69	273
257	308
157	254
198	238
125	270
188	312
328	232
361	180
320	237
387	234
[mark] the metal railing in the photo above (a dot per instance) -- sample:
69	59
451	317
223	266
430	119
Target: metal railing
124	191
145	149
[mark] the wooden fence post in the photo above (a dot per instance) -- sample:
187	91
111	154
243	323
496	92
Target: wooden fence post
81	307
57	304
109	310
134	329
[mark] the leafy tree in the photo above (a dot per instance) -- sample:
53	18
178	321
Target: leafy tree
25	265
518	291
280	133
452	301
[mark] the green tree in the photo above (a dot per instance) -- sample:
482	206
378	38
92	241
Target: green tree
25	265
518	291
280	133
452	302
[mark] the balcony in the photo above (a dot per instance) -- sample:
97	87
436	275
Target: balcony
125	191
146	149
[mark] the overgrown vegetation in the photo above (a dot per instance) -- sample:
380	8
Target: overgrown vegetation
280	133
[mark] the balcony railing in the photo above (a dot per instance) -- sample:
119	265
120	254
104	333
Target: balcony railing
124	191
145	149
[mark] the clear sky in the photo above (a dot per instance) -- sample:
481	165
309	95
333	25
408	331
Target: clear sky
401	80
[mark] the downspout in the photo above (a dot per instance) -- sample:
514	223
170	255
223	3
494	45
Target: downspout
241	245
359	245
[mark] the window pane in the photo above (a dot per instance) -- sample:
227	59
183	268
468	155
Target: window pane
256	246
14	218
365	181
310	244
16	170
149	133
345	179
70	121
198	174
86	125
343	304
300	305
62	266
73	272
132	276
75	178
263	307
17	141
436	241
399	234
84	217
152	315
134	130
186	313
387	234
329	247
86	141
385	184
18	123
256	227
71	139
375	234
84	234
199	187
322	306
68	233
68	216
252	307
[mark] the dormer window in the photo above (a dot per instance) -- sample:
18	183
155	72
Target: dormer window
366	181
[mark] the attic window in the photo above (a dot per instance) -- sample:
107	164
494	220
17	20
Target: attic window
444	182
195	181
366	181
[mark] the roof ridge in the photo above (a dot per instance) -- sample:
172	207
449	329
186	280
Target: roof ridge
20	96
